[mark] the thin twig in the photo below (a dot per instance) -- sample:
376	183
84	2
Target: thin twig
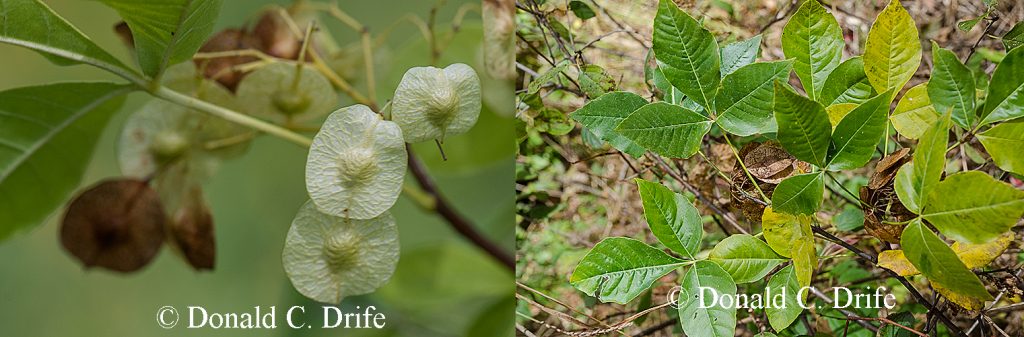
728	219
454	218
913	291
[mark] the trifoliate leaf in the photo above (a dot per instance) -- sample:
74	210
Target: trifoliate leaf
432	103
328	258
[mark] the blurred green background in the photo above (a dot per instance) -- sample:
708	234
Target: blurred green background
443	286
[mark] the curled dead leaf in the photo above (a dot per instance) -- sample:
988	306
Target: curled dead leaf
884	213
192	231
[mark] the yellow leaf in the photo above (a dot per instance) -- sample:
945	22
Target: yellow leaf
967	302
895	260
836	112
980	255
782	230
893	51
804	260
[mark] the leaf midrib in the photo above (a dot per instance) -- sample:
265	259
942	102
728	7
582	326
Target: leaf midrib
57	129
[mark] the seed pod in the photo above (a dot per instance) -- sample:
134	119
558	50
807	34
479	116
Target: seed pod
356	164
328	258
192	230
500	38
219	69
269	92
432	103
275	37
161	133
116	224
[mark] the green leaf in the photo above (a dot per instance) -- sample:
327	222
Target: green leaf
914	113
581	9
1006	92
47	137
846	84
740	53
552	75
855	137
620	269
745	258
669	130
812	38
166	32
714	320
799	194
804	130
967	25
1004	143
603	114
939	263
904	318
973	207
594	81
784	282
893	52
1014	37
33	25
745	101
671	217
781	230
688	53
914	181
668	93
952	86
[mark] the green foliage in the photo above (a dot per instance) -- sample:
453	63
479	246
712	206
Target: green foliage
914	181
1014	37
938	262
854	139
893	51
666	129
804	129
846	84
812	38
837	123
715	320
914	113
784	281
620	269
594	81
58	40
1004	143
740	53
603	114
581	9
672	218
745	102
952	86
1005	98
41	126
799	194
166	32
688	53
987	209
745	258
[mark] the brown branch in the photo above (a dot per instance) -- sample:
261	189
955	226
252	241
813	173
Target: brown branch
664	167
458	222
913	291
